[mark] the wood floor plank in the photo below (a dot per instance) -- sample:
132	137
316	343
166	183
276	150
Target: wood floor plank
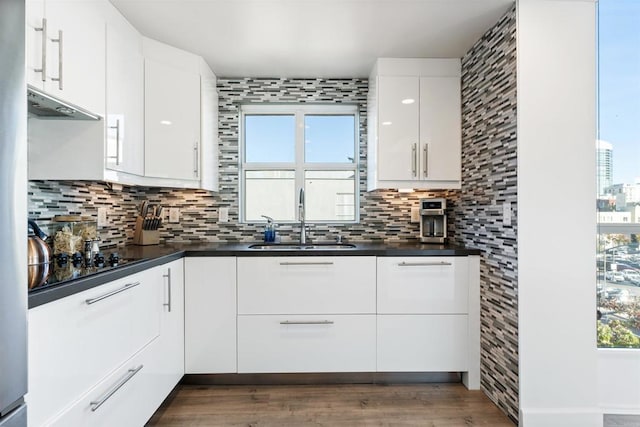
429	405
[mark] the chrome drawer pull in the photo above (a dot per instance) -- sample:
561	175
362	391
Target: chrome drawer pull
60	59
425	168
117	156
420	264
414	160
168	276
43	67
310	322
306	263
98	403
112	293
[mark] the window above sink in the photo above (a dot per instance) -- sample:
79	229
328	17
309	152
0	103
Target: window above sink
287	147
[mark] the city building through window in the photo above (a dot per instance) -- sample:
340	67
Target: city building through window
618	174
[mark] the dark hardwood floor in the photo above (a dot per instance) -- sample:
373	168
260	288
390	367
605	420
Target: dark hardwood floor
329	405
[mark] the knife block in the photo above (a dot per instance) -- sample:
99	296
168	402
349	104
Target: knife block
145	237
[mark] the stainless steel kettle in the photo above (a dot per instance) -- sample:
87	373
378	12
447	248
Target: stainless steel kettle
39	256
39	251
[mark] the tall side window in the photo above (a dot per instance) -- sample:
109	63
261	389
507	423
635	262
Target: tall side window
618	174
286	148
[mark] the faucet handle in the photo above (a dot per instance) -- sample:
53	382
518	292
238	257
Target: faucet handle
338	238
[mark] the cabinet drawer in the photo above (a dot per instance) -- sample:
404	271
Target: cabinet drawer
268	344
307	285
422	343
76	341
422	285
127	397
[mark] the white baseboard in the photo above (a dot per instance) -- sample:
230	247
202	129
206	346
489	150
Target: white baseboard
561	417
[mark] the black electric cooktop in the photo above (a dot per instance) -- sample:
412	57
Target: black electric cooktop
63	268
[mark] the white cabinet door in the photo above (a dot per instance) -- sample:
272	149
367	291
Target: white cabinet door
423	285
171	368
415	124
423	343
398	126
310	343
209	115
307	285
36	39
125	98
172	122
76	341
128	397
440	129
76	52
210	315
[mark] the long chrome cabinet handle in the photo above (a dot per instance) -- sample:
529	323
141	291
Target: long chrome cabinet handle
168	276
43	68
420	264
306	263
60	56
117	128
95	404
425	169
112	293
309	322
414	159
195	159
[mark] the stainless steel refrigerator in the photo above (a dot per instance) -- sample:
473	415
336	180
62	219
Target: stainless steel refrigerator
13	215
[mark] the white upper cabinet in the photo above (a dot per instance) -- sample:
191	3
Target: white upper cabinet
160	104
209	128
172	113
414	124
125	98
65	51
399	128
440	129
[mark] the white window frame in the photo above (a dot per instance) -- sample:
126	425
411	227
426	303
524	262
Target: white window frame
299	165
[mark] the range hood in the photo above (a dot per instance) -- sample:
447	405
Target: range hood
47	107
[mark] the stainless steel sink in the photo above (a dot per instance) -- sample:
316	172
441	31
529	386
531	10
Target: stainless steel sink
297	247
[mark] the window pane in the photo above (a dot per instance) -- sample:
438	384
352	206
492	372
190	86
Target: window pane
269	138
618	290
329	139
270	193
330	195
618	172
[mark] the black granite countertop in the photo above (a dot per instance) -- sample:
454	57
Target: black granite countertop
140	258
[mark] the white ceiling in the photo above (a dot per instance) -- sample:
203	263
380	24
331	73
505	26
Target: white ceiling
312	38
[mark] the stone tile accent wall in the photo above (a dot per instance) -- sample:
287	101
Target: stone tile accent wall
384	215
489	179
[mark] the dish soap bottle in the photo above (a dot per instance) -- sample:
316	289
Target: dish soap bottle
269	230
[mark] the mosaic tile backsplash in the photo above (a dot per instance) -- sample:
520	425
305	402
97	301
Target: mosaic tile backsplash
384	215
489	179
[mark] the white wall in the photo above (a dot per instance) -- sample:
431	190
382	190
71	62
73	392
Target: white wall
619	381
556	246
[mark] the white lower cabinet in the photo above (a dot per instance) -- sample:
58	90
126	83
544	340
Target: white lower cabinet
422	343
306	343
422	285
307	285
429	316
171	368
76	341
210	315
86	349
127	397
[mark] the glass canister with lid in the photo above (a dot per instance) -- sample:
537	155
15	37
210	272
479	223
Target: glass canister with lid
71	231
